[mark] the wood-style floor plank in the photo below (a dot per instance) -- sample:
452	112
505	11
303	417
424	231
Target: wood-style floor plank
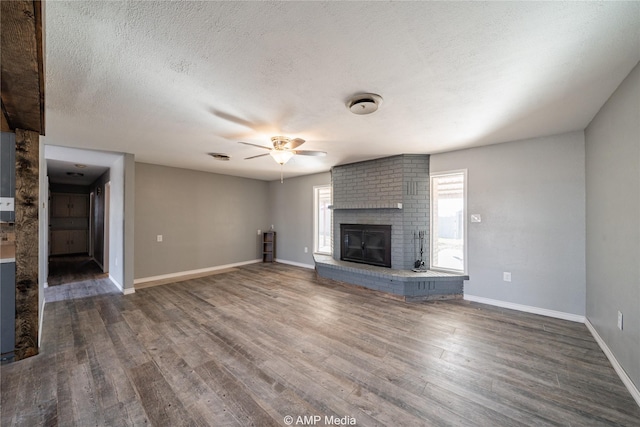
254	344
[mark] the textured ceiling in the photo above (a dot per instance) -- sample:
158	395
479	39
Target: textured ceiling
61	160
172	81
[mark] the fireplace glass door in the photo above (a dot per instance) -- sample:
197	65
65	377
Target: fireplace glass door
368	244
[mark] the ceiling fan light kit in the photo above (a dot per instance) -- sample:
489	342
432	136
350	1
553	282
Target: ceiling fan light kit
364	103
284	148
281	156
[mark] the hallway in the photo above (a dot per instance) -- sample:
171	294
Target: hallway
73	268
76	276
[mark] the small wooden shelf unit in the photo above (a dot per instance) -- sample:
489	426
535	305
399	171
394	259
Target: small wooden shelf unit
269	246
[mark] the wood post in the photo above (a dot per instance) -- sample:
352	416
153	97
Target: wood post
26	226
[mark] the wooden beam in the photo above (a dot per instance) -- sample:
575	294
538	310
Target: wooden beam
26	226
22	68
5	123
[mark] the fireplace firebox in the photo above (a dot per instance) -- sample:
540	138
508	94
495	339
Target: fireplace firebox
366	244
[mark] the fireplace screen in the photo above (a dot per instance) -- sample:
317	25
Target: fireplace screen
364	243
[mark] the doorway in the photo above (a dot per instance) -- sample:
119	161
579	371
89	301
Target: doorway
107	210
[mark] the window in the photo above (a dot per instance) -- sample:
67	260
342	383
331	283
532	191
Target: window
448	221
322	219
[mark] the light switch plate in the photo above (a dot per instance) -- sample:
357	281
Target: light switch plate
506	276
476	218
159	238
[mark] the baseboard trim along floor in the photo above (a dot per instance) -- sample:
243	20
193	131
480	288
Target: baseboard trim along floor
635	393
616	365
526	308
192	272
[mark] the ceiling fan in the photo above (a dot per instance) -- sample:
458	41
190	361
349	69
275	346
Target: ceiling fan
283	150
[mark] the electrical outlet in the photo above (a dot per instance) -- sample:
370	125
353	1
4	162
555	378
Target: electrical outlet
259	232
620	320
306	249
506	276
159	238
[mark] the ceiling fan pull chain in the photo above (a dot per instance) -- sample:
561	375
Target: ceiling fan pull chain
281	174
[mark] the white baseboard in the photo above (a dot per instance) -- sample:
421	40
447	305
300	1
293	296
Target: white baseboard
40	320
115	282
635	393
526	308
297	264
186	273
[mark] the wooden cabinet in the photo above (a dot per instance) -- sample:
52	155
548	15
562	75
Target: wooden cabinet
69	224
69	205
269	246
68	242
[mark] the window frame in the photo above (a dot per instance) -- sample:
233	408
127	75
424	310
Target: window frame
316	219
465	237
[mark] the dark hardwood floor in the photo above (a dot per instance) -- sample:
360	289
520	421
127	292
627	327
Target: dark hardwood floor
252	346
65	269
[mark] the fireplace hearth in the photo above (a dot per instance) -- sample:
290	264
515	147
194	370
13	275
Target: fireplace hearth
366	244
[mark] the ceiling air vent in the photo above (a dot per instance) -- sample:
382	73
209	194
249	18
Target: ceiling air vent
220	156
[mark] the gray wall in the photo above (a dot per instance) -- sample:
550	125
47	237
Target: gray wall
291	213
613	223
531	196
206	219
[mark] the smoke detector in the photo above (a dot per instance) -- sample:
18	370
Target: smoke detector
364	103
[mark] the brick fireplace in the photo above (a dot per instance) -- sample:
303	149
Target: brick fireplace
391	192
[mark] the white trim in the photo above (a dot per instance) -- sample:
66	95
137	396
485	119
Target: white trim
46	285
465	239
527	308
635	393
316	219
186	273
40	321
124	291
297	264
115	282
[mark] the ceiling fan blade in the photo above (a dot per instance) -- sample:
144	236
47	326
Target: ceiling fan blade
294	143
254	145
309	152
253	157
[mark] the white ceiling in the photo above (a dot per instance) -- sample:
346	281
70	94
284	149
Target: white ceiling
59	172
61	160
173	81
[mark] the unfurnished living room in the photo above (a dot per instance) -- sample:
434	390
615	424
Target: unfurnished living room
279	213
